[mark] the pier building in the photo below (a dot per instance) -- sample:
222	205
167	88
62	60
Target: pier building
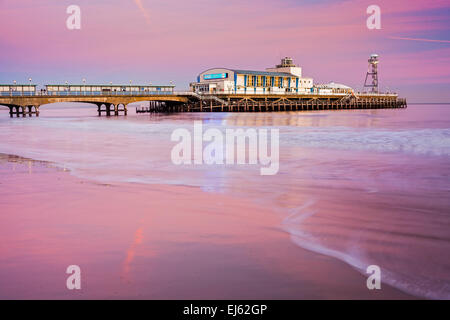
98	89
17	89
282	88
284	78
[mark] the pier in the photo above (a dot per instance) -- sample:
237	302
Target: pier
107	103
292	102
111	104
279	88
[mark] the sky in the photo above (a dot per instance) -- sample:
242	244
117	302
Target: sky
158	41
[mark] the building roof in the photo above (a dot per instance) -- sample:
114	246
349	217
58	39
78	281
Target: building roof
263	73
333	85
17	84
337	85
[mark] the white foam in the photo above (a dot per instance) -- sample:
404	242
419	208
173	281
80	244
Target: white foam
414	141
355	256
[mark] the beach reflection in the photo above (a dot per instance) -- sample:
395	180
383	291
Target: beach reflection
369	118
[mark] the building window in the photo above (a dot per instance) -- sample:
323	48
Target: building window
277	82
250	82
259	81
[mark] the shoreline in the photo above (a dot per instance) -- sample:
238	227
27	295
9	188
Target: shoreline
237	245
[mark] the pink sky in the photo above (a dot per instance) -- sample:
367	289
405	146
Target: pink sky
161	40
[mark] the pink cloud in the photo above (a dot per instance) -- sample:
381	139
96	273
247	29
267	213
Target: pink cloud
181	38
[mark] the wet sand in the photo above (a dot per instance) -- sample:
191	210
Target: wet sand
153	242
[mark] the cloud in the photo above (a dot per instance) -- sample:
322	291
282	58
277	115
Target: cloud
143	10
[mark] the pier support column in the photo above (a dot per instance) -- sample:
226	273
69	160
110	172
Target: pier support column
108	108
100	110
11	111
33	110
23	111
27	110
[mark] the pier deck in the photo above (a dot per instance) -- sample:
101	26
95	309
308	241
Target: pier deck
265	103
111	104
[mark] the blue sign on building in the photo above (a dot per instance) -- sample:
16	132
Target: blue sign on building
212	76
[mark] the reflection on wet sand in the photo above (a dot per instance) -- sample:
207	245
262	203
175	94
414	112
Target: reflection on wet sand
131	253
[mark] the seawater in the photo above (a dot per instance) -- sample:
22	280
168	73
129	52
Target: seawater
363	186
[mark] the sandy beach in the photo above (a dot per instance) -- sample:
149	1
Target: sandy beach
153	242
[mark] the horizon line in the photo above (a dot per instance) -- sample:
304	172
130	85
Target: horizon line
419	39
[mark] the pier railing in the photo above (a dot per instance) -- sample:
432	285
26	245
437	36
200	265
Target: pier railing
82	93
201	96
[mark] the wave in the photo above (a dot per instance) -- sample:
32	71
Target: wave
418	141
359	258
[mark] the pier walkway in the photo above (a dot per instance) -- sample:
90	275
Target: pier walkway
111	103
